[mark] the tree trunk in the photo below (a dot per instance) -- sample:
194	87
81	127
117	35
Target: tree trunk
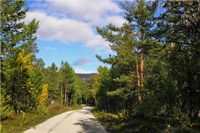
66	98
138	82
138	75
61	94
142	69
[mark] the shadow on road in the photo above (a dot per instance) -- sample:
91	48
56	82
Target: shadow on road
90	125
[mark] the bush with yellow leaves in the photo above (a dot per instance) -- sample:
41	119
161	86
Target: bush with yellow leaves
42	100
24	61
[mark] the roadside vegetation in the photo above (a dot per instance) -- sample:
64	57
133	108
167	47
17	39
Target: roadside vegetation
19	123
114	123
153	81
30	92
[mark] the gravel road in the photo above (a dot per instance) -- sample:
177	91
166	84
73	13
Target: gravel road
77	121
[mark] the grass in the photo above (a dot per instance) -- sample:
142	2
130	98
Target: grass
19	123
115	124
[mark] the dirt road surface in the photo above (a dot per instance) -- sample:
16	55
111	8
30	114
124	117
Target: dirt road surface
77	121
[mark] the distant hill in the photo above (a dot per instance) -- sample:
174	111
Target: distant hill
86	76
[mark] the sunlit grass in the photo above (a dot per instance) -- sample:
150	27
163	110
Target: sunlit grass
115	124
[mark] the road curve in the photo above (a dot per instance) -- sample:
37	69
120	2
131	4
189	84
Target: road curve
77	121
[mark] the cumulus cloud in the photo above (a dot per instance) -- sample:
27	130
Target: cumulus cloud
74	21
79	70
67	30
115	20
82	61
88	10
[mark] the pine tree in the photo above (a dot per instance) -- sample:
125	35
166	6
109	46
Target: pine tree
180	28
52	79
66	74
102	86
17	40
133	44
37	77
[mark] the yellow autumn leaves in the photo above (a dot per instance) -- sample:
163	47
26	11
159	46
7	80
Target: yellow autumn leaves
24	60
42	99
25	63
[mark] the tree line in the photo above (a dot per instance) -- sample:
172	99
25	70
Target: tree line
154	71
155	68
26	84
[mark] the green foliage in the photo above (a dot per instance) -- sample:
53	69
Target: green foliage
154	75
138	124
52	79
133	44
180	30
155	68
66	82
102	85
92	88
17	54
64	86
36	78
23	75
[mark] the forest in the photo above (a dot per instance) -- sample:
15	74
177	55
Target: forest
26	84
153	73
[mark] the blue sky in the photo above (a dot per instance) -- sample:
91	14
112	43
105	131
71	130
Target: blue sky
67	30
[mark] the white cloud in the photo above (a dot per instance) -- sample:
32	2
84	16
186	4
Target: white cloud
74	21
79	70
67	30
93	11
116	20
